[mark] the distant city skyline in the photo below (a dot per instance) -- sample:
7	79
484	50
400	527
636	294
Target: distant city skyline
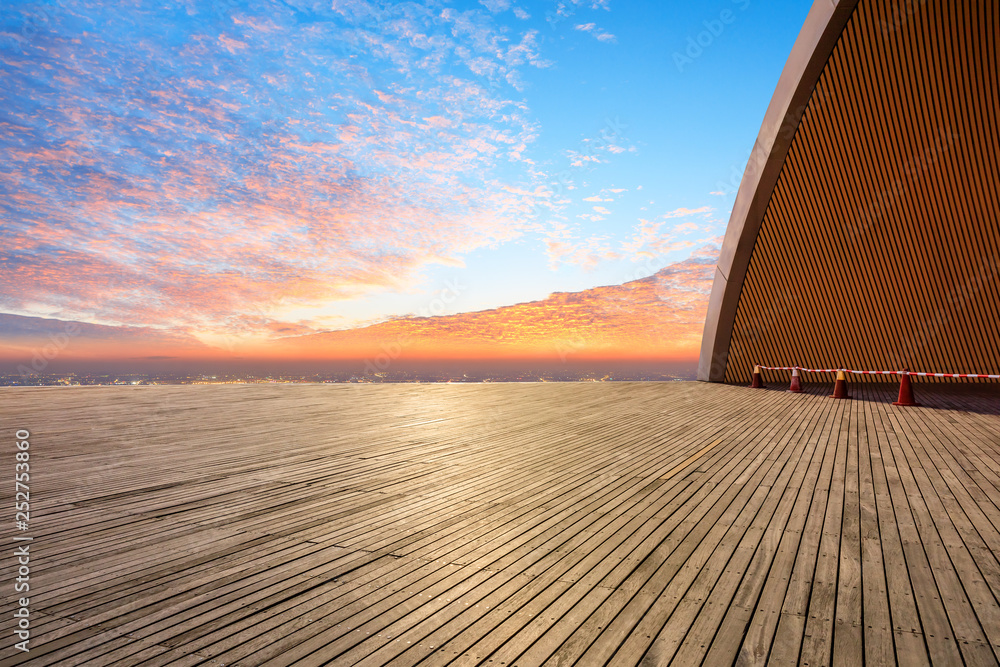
287	181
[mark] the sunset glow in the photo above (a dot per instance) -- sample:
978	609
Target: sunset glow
286	180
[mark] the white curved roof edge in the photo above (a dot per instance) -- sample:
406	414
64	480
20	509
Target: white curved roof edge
819	35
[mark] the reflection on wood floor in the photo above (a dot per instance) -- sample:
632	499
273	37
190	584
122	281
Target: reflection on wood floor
508	524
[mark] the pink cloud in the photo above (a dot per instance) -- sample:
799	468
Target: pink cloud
215	191
683	212
659	316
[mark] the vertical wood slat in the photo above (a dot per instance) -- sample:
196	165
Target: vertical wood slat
879	246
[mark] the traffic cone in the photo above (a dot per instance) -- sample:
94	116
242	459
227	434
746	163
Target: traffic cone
796	386
840	389
757	383
905	390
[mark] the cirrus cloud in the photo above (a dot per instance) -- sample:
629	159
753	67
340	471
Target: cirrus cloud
232	159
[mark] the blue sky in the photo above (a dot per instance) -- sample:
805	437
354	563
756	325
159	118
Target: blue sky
223	168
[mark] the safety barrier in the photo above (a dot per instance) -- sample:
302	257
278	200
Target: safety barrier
840	386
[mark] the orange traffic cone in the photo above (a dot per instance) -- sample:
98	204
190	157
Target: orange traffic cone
796	386
905	390
757	382
840	389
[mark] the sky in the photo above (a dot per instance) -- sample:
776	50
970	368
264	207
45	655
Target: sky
297	179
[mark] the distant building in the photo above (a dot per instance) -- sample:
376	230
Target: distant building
866	230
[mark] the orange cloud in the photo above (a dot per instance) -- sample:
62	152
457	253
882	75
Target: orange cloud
657	317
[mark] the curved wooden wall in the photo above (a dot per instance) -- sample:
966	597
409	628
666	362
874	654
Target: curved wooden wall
880	246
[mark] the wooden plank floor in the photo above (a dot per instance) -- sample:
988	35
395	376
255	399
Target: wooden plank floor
506	524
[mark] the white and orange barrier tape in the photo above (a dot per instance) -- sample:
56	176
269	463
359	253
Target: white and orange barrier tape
848	370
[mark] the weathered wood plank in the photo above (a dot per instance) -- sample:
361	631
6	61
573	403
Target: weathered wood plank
523	524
